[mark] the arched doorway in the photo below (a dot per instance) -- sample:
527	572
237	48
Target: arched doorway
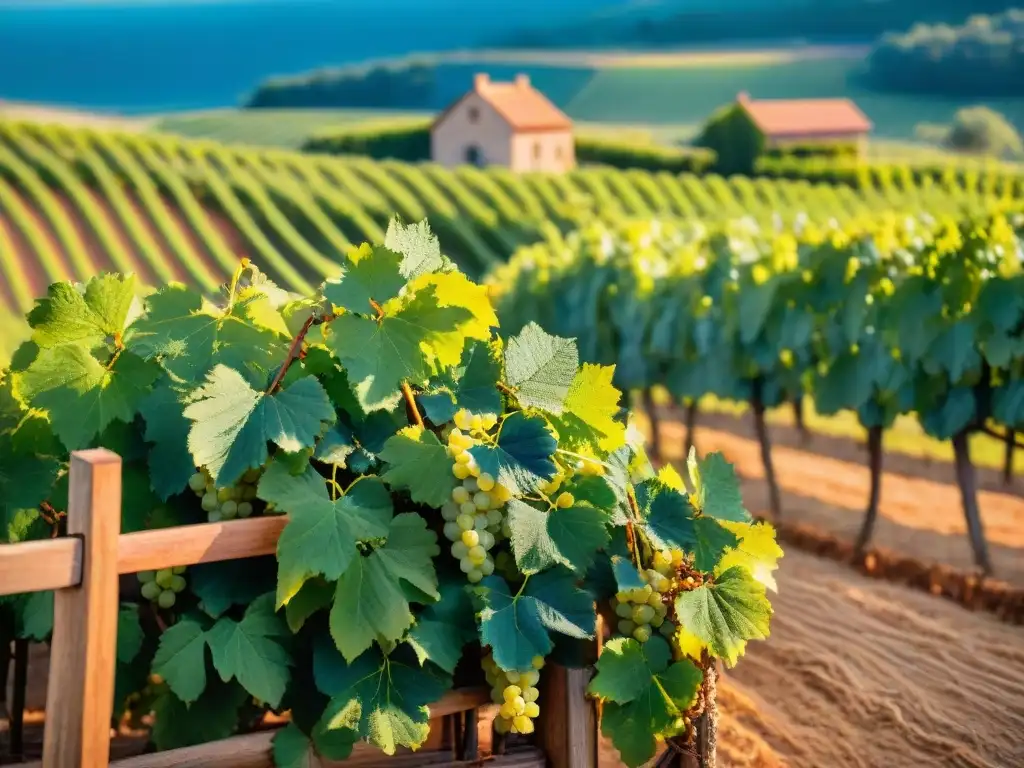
474	156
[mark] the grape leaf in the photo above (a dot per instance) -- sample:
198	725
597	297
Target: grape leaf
1007	403
417	461
421	251
250	651
670	476
516	627
385	698
372	597
322	533
129	633
213	716
219	586
597	491
541	368
181	659
82	395
379	354
666	513
727	613
588	417
476	390
709	542
90	315
294	749
443	628
35	616
718	490
954	351
438	406
170	465
522	458
335	446
570	537
138	502
644	694
232	423
371	275
191	336
757	551
626	575
25	480
311	597
670	522
454	289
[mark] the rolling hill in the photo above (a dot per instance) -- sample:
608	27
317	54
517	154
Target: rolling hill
78	200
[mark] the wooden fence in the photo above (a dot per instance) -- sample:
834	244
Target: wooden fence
83	569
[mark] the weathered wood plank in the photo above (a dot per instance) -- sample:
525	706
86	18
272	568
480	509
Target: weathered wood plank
193	544
34	566
81	685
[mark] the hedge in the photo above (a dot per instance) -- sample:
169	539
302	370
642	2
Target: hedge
411	143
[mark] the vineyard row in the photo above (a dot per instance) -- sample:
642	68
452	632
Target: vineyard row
909	317
80	201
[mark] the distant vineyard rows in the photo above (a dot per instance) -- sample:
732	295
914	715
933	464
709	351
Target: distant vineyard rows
914	316
78	201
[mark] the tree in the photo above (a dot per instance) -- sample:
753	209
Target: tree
735	139
983	130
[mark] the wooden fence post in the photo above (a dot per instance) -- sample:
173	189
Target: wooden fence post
567	729
80	695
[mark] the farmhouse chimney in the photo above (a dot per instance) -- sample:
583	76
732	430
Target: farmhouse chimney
481	80
522	81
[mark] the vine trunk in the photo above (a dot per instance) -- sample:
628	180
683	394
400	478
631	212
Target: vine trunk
967	481
875	466
763	439
1009	446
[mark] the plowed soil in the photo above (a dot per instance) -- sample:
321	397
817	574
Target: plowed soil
859	673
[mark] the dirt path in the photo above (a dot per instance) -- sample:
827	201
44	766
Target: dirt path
863	674
918	517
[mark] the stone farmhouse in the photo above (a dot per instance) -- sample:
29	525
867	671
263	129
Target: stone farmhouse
508	124
785	122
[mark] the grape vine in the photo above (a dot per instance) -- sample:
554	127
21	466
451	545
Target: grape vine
382	414
914	316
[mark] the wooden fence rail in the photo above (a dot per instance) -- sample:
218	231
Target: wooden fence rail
83	569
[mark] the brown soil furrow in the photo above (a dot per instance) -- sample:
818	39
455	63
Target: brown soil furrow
167	254
98	255
195	242
864	674
234	239
24	262
967	589
44	227
128	246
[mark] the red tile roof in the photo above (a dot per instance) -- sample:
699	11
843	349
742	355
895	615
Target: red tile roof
805	117
522	106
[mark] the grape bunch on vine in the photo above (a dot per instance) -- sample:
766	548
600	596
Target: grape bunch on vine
454	499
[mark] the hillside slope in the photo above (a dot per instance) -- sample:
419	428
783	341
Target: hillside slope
75	201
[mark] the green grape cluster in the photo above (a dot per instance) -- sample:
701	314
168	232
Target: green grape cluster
474	516
225	503
517	694
644	609
162	587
